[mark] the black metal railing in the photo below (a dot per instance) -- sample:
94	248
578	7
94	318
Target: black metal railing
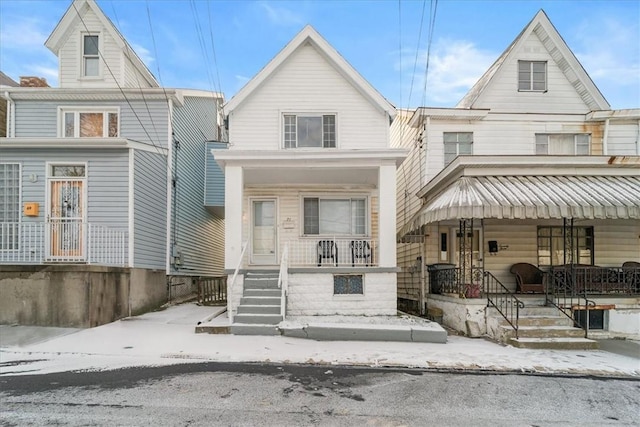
564	291
449	279
592	280
503	300
212	290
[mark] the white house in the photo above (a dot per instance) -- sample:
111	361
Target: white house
532	166
310	186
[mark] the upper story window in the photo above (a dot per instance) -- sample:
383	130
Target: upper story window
456	144
532	76
90	123
571	144
335	216
309	131
90	56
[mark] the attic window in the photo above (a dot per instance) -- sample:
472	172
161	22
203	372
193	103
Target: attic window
309	130
532	76
90	56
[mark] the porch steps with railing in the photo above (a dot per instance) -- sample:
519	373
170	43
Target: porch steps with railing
540	327
259	309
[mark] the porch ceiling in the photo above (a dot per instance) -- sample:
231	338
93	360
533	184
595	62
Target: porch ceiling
532	197
292	176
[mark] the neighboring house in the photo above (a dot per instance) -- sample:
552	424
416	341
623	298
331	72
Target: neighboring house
310	186
102	184
5	81
532	166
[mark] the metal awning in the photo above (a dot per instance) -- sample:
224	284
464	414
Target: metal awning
532	197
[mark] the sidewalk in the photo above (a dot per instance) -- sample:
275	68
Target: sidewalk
168	337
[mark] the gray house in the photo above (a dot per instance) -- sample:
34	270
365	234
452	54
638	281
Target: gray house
102	184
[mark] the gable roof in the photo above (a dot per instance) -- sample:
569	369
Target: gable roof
561	54
7	81
72	17
310	35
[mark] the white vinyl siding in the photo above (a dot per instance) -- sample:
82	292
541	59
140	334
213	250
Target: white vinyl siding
532	76
258	124
562	144
456	144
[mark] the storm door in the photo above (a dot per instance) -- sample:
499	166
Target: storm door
263	232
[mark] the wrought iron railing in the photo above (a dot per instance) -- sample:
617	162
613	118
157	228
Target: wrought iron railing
503	300
63	242
448	279
564	293
593	280
333	252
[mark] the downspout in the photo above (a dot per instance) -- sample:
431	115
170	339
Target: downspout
11	116
605	137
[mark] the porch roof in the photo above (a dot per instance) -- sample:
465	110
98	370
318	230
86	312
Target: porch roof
532	197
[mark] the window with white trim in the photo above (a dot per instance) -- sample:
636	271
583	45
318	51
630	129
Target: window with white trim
9	205
532	76
456	144
309	130
89	123
571	144
335	216
90	55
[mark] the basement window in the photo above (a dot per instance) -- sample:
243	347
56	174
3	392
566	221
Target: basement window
596	318
348	284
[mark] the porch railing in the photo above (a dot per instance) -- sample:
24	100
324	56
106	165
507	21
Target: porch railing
592	280
62	242
503	300
232	284
283	281
336	252
448	279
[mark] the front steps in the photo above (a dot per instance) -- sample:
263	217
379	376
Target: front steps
539	327
259	309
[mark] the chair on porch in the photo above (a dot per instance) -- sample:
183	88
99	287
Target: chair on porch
529	278
360	252
327	250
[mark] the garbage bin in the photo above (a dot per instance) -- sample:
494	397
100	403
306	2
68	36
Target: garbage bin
435	279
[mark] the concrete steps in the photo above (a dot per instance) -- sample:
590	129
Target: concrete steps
541	327
260	305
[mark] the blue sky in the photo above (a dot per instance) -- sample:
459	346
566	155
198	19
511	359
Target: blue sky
379	38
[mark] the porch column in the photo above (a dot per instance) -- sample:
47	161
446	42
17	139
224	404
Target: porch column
233	194
387	215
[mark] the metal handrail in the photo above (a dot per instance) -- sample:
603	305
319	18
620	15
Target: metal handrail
505	301
233	279
283	281
562	293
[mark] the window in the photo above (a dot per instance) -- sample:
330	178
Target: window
9	205
90	123
571	144
304	131
90	56
335	216
455	144
348	284
532	76
552	242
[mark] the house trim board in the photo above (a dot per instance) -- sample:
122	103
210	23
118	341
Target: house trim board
169	249
98	143
131	206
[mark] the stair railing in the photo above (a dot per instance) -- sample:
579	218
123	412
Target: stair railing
283	280
503	300
233	279
563	292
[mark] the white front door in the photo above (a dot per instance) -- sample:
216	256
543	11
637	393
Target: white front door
264	232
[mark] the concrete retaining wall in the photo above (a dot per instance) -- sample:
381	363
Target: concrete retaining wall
456	312
78	296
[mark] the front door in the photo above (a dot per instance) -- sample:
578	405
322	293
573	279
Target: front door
263	232
66	227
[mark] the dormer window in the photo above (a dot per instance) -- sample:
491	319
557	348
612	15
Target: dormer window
532	76
90	56
89	123
567	144
309	131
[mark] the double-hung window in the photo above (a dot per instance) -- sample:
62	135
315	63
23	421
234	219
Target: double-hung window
571	144
560	245
9	205
335	216
309	131
456	144
532	76
90	56
89	123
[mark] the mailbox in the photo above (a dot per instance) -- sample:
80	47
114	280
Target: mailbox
31	209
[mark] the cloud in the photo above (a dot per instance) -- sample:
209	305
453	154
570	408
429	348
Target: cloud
454	66
23	33
281	16
143	53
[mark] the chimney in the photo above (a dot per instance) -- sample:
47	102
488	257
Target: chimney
30	81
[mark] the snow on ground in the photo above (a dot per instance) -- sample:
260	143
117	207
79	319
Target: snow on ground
167	337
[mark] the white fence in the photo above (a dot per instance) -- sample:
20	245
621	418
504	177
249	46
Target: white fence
336	252
62	242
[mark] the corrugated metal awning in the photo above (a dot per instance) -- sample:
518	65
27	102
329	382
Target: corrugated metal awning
532	197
